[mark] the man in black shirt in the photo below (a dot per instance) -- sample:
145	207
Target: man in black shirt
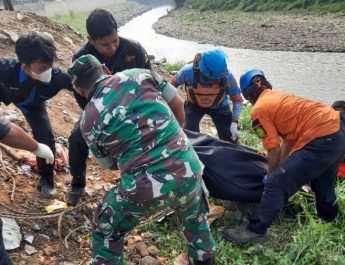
117	54
28	81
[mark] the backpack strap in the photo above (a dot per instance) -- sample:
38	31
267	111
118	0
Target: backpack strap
196	70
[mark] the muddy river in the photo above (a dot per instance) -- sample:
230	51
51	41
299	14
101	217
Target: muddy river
319	76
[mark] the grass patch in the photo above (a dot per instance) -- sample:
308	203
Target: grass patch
75	20
298	237
334	6
173	67
246	134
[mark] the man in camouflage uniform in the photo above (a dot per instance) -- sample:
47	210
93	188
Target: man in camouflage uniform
127	124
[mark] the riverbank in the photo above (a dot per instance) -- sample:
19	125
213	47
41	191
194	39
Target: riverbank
274	31
122	12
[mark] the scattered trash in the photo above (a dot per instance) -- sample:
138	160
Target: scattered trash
29	238
61	159
26	168
162	219
11	115
215	213
307	188
30	250
56	206
36	228
20	16
11	233
13	36
45	237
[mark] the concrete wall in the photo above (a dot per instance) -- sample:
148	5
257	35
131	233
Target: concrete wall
64	6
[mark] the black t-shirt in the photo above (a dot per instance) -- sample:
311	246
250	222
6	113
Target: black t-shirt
130	54
16	88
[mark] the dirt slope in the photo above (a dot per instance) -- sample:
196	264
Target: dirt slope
63	112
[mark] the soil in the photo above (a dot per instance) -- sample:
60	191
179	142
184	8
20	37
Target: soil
63	112
260	31
50	235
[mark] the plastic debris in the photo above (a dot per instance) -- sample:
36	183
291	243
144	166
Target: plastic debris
29	238
11	233
215	213
36	228
30	250
26	168
57	205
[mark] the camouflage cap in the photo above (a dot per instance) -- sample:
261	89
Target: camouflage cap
82	65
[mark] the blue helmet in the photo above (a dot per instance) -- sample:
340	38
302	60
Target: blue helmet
246	78
213	64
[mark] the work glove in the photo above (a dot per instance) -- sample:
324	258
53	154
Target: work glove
234	131
43	151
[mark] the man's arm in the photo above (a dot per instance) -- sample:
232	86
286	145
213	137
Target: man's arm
234	93
273	157
17	138
285	151
14	136
177	107
174	100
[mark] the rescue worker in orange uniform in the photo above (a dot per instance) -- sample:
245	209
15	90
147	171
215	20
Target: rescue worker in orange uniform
209	85
340	106
311	132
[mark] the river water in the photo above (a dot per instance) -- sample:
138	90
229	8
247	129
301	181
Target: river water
318	76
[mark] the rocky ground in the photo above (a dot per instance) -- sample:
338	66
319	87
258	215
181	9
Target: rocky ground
65	238
259	31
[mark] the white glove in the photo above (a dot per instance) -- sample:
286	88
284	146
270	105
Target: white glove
43	151
234	131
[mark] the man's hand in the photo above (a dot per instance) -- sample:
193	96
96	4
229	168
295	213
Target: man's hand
273	157
234	131
43	151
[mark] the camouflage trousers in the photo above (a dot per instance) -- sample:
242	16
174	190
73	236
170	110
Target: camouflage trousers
116	215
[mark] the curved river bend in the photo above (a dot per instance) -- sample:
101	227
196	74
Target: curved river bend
318	76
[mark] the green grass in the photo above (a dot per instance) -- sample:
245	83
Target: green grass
74	20
246	134
173	67
335	6
298	237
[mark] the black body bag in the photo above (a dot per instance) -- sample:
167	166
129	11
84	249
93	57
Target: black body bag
232	172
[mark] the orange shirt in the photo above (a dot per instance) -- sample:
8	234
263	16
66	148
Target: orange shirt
298	121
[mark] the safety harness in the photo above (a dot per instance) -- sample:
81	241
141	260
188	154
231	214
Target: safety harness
204	97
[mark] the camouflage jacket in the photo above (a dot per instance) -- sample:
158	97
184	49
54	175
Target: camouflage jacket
128	122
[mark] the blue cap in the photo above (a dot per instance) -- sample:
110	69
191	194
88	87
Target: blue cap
246	78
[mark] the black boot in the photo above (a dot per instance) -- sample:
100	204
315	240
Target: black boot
73	195
241	234
46	187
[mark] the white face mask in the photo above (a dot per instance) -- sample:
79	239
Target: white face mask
45	77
